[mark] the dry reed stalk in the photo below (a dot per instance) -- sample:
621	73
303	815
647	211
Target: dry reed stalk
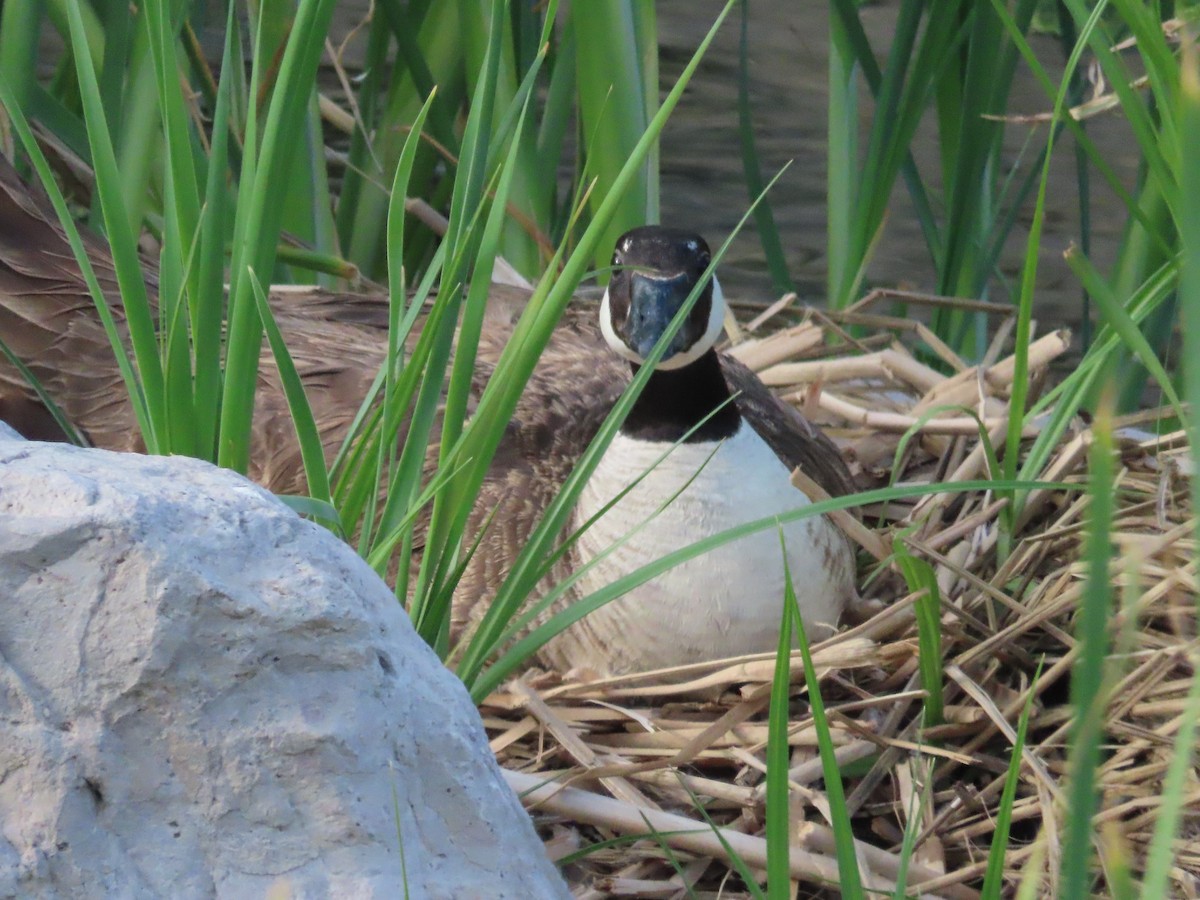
892	364
771	311
886	421
760	353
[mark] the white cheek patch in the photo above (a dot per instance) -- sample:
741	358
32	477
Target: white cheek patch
610	334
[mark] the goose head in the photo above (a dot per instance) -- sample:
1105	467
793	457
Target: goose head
654	271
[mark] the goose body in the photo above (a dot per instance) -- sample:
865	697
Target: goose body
730	468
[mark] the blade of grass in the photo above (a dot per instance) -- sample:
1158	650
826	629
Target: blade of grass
1122	324
258	218
317	510
764	219
613	102
849	879
20	23
122	242
207	306
671	857
739	864
1021	338
1087	677
1071	395
993	879
385	461
623	840
308	436
912	829
464	246
1161	853
920	577
778	816
1160	857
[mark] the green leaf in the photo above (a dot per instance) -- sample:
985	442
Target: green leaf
1088	695
312	453
849	879
993	879
778	817
921	579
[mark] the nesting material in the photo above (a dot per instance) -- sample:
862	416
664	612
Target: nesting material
682	752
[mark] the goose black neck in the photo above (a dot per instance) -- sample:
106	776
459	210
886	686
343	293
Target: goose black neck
675	400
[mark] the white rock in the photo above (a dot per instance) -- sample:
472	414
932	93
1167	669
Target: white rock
203	695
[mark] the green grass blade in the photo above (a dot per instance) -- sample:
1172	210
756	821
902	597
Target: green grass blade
1122	323
1087	677
1094	156
1161	855
623	840
1162	851
857	199
849	879
207	306
842	128
1065	400
778	816
764	219
1121	80
464	247
993	879
20	24
670	855
921	578
308	436
405	25
554	130
259	215
912	829
739	864
469	335
173	335
1021	338
612	102
180	165
122	242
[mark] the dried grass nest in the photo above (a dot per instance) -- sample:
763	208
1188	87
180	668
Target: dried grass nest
683	750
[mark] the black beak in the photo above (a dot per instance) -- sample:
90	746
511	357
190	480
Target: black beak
654	301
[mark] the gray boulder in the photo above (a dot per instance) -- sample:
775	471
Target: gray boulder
203	695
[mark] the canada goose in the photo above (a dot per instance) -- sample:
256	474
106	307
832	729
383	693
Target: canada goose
722	604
